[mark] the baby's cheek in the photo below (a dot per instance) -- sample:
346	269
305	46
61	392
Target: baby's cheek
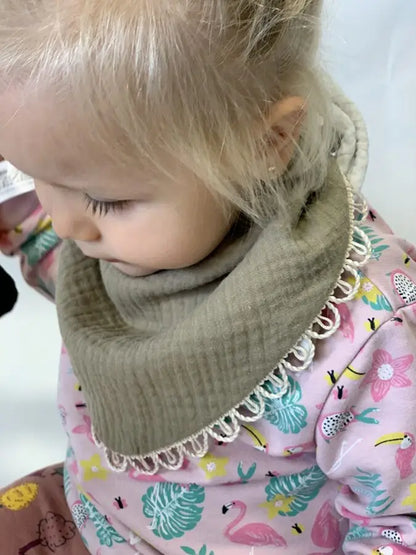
165	237
41	191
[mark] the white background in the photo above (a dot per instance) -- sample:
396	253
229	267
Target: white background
370	47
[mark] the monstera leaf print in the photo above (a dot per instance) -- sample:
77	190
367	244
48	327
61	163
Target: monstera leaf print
174	509
67	483
202	551
378	247
370	487
357	533
297	489
105	532
286	413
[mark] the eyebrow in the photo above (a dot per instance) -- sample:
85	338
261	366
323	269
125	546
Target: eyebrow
83	190
62	186
113	197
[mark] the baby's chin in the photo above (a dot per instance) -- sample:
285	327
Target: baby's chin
132	270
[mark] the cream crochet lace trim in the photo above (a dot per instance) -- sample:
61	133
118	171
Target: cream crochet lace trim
274	386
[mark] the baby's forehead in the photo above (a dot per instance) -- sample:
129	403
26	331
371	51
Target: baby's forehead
39	132
48	141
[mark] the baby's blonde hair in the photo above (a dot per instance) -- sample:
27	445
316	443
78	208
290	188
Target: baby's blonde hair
192	78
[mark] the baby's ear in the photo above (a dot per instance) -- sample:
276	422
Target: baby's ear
285	120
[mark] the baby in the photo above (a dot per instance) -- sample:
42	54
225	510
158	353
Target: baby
239	330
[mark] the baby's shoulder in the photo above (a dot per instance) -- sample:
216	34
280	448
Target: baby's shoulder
388	280
382	312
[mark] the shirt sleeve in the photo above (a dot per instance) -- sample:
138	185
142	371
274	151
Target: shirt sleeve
37	245
366	441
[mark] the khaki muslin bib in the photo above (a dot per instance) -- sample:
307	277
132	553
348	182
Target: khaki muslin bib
161	357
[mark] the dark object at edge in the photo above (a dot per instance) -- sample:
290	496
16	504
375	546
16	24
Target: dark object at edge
8	292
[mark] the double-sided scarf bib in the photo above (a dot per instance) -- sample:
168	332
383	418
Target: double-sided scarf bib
168	360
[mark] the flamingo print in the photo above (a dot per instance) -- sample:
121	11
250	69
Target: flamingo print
255	533
362	520
347	326
84	428
325	530
405	453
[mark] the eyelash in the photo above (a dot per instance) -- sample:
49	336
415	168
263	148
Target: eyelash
104	207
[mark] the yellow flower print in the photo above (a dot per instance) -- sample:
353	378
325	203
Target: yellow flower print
369	290
371	295
411	499
213	466
93	469
278	503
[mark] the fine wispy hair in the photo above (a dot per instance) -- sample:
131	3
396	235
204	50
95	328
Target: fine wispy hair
191	78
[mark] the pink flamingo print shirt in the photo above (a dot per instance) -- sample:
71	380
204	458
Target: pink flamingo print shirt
330	468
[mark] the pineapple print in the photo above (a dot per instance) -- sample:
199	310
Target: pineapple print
404	286
19	497
335	423
392	535
79	514
332	424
